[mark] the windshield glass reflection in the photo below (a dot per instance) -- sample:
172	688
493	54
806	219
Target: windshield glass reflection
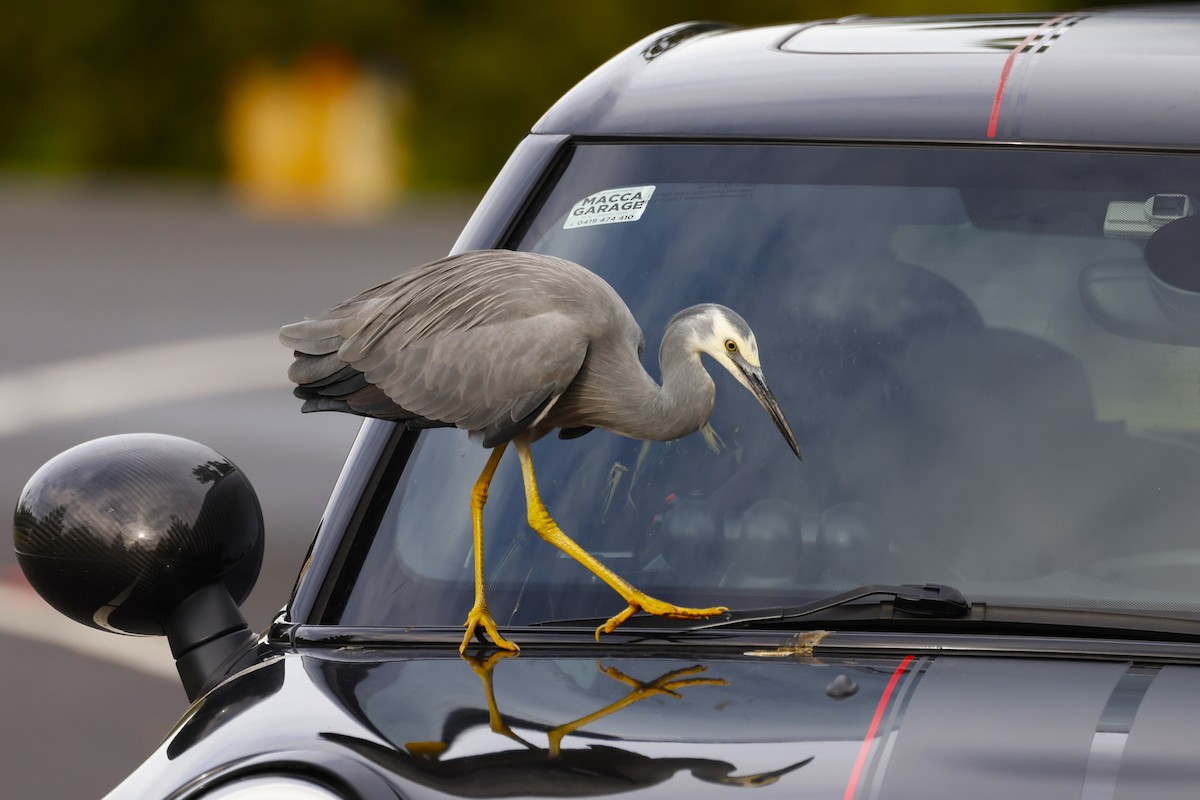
989	388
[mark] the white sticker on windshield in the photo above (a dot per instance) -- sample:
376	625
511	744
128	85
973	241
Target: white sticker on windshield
612	205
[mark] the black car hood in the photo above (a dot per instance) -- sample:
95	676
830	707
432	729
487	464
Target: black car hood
429	724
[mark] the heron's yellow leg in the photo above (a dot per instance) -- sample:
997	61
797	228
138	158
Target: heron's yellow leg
545	526
668	683
479	614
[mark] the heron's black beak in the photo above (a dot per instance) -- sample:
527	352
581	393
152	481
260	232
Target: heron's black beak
758	386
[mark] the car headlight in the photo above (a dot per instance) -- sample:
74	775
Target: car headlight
271	788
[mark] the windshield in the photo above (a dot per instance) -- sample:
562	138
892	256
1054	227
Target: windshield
994	381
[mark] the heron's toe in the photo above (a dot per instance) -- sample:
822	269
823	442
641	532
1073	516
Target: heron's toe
481	617
643	602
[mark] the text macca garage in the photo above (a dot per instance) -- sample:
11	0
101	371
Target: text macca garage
609	202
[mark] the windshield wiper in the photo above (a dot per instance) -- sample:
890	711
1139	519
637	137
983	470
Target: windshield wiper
932	600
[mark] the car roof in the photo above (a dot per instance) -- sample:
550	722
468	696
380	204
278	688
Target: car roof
1109	77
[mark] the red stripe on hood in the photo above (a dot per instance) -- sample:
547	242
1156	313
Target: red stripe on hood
873	729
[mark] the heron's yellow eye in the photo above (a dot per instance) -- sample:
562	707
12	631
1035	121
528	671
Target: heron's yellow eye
731	345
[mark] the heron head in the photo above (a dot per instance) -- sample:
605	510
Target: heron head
727	338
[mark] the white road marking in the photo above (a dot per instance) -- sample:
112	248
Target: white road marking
139	377
23	613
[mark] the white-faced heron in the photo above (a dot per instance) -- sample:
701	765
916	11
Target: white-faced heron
511	346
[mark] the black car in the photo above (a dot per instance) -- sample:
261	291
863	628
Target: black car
969	247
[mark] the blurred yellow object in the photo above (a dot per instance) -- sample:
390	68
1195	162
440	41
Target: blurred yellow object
321	138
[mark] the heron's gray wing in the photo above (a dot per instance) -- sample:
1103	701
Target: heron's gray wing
492	379
453	293
466	291
482	340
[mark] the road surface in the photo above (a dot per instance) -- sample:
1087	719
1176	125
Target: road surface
134	309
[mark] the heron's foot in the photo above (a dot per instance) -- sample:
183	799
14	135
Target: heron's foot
478	616
668	683
643	602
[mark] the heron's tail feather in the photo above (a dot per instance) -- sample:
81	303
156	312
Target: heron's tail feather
324	404
309	370
343	383
362	407
315	337
334	381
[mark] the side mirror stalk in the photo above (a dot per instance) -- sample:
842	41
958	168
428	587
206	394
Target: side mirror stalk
205	631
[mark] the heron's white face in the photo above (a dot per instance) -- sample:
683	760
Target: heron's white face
732	346
728	339
725	336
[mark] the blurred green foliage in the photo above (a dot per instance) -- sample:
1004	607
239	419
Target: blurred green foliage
139	85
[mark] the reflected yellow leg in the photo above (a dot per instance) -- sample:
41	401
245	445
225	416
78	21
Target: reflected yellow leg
484	669
541	521
667	684
479	614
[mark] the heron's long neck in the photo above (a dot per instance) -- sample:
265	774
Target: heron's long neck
680	405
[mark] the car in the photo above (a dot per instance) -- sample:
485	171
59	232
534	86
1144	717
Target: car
968	246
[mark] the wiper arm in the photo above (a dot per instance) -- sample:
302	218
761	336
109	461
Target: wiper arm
933	600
